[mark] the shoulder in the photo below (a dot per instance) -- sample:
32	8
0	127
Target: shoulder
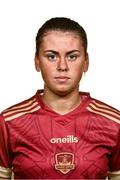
25	107
103	109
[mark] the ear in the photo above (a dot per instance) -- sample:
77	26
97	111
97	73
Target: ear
37	63
86	63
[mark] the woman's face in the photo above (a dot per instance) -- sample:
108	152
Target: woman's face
62	61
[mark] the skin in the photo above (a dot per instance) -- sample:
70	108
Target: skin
62	61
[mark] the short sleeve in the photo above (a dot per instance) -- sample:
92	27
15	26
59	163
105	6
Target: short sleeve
115	160
5	162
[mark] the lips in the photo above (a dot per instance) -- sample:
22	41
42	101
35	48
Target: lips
62	79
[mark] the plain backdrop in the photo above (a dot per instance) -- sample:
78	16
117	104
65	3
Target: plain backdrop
19	23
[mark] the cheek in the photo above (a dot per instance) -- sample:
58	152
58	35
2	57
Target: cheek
77	73
46	68
78	70
47	72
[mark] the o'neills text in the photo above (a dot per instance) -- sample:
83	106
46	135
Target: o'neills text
67	139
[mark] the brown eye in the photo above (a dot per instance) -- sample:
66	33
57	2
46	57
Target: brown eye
72	57
51	57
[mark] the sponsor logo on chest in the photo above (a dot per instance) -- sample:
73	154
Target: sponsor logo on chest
67	139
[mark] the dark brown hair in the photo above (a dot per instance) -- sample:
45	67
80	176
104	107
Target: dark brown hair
61	24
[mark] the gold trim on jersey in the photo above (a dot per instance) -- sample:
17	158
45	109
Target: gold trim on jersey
21	105
21	109
104	110
5	172
114	175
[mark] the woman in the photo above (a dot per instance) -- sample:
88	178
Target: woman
60	133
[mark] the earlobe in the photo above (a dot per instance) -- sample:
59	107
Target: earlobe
37	64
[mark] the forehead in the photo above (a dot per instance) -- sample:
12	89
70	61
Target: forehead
55	37
60	32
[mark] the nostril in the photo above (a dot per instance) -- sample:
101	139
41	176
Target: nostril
62	69
62	66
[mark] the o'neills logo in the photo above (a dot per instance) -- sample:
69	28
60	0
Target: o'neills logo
67	139
64	162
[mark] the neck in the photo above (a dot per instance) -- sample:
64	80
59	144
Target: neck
61	104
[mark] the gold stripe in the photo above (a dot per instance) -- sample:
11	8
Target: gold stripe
5	172
104	110
114	175
105	115
19	110
22	113
105	106
20	106
115	172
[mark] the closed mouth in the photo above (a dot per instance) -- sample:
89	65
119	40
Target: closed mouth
62	77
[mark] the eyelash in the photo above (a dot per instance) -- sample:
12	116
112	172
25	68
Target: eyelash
72	57
53	57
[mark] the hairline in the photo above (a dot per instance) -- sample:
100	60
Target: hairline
47	31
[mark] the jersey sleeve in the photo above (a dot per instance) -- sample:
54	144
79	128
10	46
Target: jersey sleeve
115	161
5	160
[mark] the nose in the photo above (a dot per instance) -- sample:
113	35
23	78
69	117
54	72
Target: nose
62	65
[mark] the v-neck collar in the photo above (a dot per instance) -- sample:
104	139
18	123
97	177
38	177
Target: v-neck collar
85	97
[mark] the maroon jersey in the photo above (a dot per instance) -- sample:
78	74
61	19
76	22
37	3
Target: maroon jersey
38	143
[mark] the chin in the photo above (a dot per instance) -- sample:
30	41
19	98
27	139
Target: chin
63	93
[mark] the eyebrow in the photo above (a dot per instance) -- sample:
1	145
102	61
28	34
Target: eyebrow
55	52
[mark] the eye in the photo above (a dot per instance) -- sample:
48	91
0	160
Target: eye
72	57
51	57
